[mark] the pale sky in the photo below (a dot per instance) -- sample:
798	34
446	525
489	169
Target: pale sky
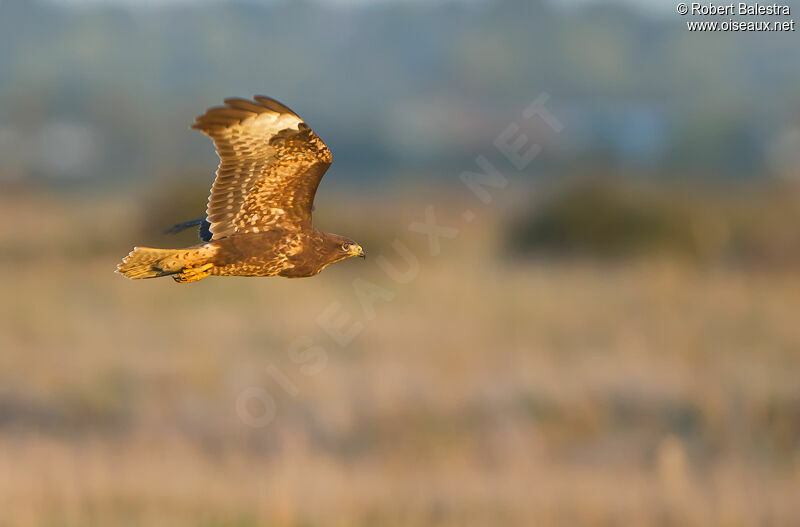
652	7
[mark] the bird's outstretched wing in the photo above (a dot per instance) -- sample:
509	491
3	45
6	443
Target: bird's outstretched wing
271	163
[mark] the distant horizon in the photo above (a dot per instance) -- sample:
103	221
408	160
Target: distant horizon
394	86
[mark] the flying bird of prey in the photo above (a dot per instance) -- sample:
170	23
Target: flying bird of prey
258	220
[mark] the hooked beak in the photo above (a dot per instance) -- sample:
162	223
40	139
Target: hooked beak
358	251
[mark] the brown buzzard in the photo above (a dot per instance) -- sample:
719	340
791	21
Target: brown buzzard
259	211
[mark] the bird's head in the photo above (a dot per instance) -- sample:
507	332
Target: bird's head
340	248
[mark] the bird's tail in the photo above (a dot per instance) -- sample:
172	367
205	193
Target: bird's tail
146	262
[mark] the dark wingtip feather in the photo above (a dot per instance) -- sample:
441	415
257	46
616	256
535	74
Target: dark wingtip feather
204	232
178	227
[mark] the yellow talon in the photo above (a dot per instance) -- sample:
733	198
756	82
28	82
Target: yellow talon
193	274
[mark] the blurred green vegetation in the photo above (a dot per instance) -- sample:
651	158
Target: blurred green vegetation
618	219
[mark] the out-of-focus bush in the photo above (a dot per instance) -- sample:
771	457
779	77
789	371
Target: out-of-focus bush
614	219
620	219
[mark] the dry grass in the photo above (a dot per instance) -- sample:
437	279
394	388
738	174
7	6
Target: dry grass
484	393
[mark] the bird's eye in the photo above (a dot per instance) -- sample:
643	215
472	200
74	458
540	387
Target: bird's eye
345	247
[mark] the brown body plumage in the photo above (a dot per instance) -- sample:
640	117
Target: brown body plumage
283	253
260	206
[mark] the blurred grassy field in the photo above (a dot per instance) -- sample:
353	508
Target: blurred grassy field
488	391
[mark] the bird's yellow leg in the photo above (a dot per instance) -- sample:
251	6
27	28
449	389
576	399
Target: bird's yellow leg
193	274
